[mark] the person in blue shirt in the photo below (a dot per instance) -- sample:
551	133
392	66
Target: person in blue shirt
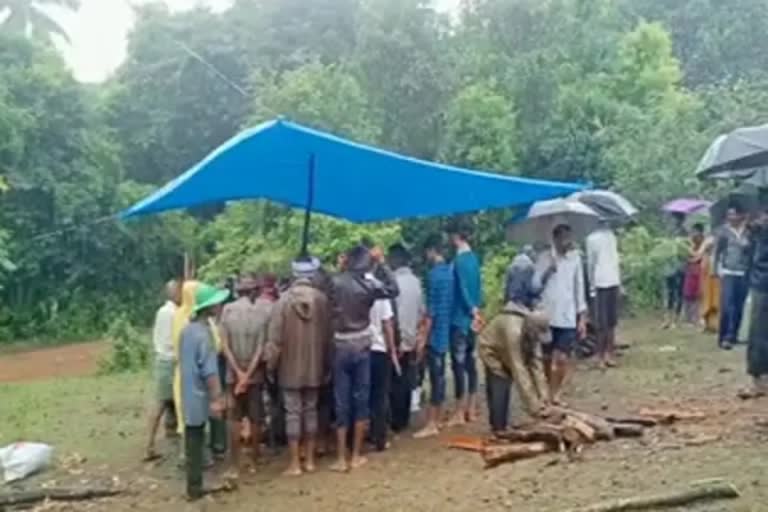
467	299
435	342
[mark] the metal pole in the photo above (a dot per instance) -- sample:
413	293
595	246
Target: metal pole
308	207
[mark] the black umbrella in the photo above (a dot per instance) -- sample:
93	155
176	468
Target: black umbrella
736	155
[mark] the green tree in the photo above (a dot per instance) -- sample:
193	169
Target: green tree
480	130
30	18
326	97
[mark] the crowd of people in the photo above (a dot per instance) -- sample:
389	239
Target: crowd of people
717	281
349	351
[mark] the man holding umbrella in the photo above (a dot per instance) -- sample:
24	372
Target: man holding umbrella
561	276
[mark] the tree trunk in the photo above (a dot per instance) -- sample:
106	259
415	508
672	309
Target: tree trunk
27	497
499	454
550	434
706	491
627	430
603	429
634	420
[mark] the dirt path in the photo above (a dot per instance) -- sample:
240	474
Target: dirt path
65	361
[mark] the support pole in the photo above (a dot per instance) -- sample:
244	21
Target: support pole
308	207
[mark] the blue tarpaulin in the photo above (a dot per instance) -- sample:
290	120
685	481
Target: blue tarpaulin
305	168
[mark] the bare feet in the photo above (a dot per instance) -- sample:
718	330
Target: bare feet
309	467
456	420
358	462
340	466
430	430
293	471
611	363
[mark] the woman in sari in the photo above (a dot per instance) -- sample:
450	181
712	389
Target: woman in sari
693	276
180	320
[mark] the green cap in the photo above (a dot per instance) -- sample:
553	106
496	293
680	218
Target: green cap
207	296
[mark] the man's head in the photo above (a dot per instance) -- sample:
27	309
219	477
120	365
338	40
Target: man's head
562	238
377	253
460	234
173	291
697	232
398	256
735	216
247	286
305	267
359	259
208	300
529	251
434	249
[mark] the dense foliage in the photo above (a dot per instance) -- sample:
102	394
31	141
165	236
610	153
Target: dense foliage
622	93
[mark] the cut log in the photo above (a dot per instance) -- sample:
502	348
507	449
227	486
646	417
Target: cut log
499	454
627	430
634	420
550	434
603	429
59	494
467	443
705	491
584	431
668	416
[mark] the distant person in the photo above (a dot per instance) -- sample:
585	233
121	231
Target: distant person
605	285
165	364
383	359
732	260
674	273
560	274
299	348
692	278
202	396
467	300
244	328
710	287
435	343
410	319
518	282
355	293
757	350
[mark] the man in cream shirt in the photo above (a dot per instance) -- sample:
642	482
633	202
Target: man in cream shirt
604	284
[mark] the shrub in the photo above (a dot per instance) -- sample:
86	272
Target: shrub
130	350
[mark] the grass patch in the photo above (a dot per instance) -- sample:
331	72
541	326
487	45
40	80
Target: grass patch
101	418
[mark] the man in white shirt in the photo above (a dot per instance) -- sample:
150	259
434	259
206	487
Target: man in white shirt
383	356
165	363
560	275
409	323
604	285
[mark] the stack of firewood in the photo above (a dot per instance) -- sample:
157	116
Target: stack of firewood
569	431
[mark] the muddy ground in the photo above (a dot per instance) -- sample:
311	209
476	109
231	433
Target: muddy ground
96	424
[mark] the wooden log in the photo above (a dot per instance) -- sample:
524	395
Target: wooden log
17	498
705	491
468	443
668	416
585	433
627	430
495	455
633	420
551	434
603	429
